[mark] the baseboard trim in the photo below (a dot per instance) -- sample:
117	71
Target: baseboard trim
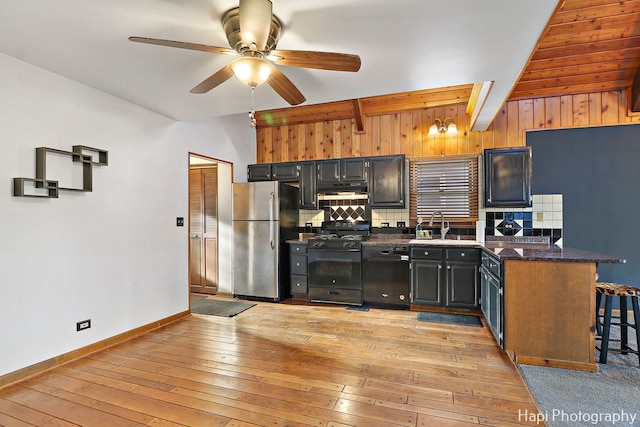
45	365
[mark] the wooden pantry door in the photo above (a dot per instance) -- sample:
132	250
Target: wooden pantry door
203	229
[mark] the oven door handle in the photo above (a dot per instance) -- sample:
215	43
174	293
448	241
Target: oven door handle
272	223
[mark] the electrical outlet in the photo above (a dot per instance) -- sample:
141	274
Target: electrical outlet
179	221
85	324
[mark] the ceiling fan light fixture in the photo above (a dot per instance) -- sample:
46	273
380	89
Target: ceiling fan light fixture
251	70
445	126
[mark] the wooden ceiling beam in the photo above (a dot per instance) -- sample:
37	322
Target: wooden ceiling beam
357	109
569	90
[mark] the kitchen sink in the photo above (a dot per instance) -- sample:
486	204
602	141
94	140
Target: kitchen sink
444	242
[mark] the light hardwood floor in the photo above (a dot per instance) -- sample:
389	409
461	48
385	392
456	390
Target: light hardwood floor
283	365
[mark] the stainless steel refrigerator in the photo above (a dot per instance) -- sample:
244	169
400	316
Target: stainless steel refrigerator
265	216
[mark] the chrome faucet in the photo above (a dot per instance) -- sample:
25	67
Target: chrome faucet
444	225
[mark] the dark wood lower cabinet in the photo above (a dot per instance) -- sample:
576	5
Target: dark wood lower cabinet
298	266
445	277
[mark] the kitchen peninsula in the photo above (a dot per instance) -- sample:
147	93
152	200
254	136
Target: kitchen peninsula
538	300
548	300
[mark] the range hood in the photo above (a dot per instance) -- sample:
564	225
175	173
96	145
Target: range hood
359	187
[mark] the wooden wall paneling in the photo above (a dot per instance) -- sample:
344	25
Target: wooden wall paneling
514	135
375	136
595	109
300	130
321	147
426	141
324	148
365	138
310	141
406	134
279	144
293	144
260	141
566	111
336	136
462	139
580	110
346	129
525	114
552	112
416	134
475	141
385	129
499	132
539	116
609	107
265	151
396	134
356	139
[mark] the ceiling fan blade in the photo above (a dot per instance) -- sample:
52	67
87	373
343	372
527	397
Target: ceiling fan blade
285	88
219	77
317	60
255	22
183	45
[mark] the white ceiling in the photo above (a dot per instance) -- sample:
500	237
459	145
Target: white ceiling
405	45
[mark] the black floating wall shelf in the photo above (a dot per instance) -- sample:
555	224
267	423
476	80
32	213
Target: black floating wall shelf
50	188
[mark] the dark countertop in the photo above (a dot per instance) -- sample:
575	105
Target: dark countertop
501	250
514	251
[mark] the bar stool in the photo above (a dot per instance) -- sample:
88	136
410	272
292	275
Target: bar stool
603	328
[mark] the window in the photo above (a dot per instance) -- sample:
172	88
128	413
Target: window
446	184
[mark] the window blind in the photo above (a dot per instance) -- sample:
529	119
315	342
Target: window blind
446	184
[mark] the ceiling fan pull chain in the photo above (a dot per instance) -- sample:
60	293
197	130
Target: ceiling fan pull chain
252	113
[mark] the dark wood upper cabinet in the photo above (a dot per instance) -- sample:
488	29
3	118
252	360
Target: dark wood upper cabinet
259	172
353	170
308	187
328	171
387	181
507	177
285	172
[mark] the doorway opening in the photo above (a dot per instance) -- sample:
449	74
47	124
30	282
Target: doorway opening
210	227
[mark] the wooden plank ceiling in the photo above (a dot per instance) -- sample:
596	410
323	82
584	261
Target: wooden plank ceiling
588	46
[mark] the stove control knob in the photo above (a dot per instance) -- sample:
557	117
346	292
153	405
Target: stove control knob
318	244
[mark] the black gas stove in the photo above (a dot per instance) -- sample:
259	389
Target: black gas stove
341	235
335	258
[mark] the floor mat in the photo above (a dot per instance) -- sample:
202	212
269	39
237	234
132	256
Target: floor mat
454	319
219	308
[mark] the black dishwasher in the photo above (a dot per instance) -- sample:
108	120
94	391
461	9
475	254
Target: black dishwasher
385	276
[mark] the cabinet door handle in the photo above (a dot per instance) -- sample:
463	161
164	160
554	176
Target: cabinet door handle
448	267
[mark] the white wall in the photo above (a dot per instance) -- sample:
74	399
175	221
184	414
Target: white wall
113	255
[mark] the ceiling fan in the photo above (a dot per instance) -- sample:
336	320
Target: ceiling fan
253	32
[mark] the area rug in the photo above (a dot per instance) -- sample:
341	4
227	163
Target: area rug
609	397
454	319
220	308
358	308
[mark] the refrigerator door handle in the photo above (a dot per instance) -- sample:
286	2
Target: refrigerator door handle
271	219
